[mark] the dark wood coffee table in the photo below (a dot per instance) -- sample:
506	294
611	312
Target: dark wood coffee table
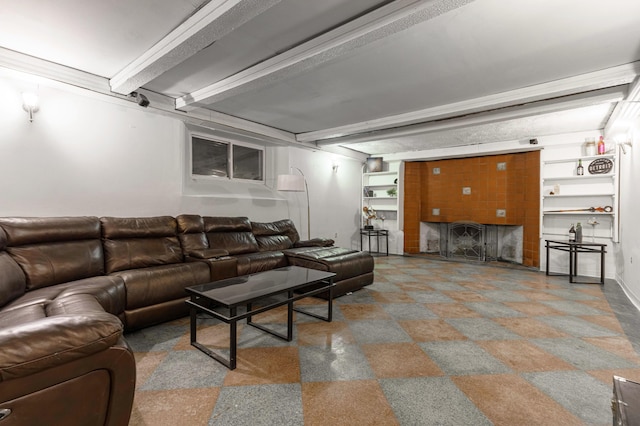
286	285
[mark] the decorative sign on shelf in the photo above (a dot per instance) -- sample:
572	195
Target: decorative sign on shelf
600	166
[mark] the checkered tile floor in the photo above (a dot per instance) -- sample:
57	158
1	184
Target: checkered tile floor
429	343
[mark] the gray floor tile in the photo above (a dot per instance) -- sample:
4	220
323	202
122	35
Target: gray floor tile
493	309
581	354
157	338
323	364
504	296
186	369
407	311
462	358
583	395
258	405
572	308
481	329
577	326
446	286
378	331
431	401
571	294
430	297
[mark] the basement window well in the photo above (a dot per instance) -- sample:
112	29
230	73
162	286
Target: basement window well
212	158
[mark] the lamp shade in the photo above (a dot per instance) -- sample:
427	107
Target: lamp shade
293	183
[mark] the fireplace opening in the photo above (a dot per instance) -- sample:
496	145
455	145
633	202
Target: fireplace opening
471	241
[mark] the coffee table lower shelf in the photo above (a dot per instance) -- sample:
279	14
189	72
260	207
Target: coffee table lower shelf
203	301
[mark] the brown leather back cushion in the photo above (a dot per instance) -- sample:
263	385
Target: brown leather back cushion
133	253
233	242
55	263
273	242
230	233
191	233
279	227
12	279
35	230
138	227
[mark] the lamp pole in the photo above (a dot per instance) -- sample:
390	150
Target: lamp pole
306	187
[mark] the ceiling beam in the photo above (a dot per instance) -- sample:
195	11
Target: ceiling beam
614	76
606	95
383	22
624	113
19	63
215	20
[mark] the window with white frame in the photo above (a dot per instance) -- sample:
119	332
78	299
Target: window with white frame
226	159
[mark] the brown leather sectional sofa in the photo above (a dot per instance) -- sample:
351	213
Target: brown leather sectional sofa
71	286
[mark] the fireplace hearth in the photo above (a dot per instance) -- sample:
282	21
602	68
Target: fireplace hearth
470	241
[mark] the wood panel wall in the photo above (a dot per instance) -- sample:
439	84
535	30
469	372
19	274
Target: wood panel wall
516	189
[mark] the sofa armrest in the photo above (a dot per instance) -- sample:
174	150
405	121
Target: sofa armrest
315	242
208	253
52	341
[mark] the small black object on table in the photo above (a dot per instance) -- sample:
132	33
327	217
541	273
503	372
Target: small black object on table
573	248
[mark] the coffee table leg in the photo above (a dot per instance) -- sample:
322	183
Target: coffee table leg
192	312
290	318
330	301
233	340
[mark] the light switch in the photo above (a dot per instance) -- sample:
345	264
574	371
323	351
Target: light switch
436	170
435	212
501	213
502	166
466	190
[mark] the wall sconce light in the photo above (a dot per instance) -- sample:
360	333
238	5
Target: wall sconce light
30	104
624	144
335	165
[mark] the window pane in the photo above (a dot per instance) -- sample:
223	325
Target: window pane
247	163
209	158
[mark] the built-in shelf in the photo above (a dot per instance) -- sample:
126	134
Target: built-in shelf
573	192
602	194
584	159
584	177
579	213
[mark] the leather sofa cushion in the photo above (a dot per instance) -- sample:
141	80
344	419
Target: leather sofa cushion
226	224
344	262
191	233
43	343
3	239
208	253
138	227
52	263
108	291
233	242
279	227
125	254
151	286
273	242
12	279
230	233
260	261
190	223
193	242
31	230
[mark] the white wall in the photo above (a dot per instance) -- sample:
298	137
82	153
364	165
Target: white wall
93	155
628	251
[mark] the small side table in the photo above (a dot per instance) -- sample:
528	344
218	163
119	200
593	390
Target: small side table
573	248
377	233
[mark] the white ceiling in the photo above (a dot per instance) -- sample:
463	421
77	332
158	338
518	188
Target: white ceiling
374	76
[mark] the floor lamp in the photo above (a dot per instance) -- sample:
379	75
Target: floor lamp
296	183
